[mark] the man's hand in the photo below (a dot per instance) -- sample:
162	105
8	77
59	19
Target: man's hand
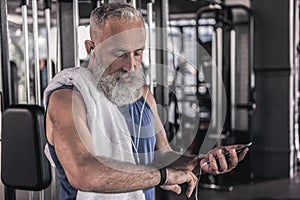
221	165
176	177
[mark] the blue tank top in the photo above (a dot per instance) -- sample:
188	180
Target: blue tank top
145	142
145	146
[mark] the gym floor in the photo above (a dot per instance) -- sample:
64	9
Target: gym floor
279	189
275	189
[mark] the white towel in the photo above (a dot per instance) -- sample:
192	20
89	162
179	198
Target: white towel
106	124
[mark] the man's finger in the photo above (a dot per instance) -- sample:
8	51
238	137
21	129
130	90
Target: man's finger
192	183
213	164
233	159
174	188
242	154
222	161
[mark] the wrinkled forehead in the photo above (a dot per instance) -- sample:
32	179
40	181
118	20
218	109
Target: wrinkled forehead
128	40
121	33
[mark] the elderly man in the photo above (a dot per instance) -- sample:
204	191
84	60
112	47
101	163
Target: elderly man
102	124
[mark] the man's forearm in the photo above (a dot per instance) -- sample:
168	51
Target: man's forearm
177	160
106	175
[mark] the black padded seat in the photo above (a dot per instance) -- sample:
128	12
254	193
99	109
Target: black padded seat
23	162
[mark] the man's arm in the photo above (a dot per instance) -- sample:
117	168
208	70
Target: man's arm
162	145
193	162
67	131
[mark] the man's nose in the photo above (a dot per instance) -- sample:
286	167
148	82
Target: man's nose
130	63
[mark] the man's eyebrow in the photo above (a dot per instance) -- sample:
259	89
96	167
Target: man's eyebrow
142	48
124	50
118	50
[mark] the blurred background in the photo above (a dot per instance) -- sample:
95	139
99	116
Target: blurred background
222	72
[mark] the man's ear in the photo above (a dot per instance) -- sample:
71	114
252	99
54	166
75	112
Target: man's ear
89	45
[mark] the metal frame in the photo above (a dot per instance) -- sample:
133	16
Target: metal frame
37	77
161	8
217	58
47	4
66	34
5	65
218	44
26	49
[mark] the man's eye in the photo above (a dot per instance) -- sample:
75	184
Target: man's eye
119	54
138	53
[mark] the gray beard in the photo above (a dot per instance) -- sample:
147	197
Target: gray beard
119	92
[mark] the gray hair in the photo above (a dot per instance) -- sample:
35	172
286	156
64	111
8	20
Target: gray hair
117	11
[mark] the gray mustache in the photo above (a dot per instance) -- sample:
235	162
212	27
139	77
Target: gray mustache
131	74
127	75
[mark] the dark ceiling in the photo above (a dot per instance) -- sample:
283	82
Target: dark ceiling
185	6
85	6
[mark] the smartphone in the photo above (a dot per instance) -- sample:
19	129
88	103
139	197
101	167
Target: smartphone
238	150
242	147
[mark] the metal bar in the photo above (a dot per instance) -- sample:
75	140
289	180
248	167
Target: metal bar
58	39
232	77
42	194
26	51
75	27
214	81
292	96
50	75
297	63
150	35
36	53
53	183
66	34
37	79
133	2
180	16
5	64
219	58
36	62
215	63
165	20
161	91
251	74
48	26
31	195
251	57
204	9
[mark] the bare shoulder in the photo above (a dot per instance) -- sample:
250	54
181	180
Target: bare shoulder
62	101
65	98
63	105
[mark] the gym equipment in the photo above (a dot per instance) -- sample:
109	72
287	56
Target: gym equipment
23	162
